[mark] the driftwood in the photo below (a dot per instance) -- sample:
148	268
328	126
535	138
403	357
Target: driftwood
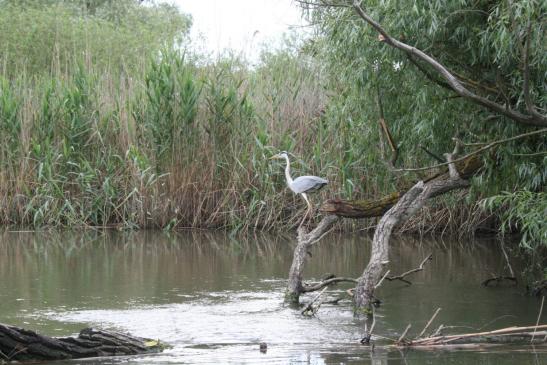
530	334
18	344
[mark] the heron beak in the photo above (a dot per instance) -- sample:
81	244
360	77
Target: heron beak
274	157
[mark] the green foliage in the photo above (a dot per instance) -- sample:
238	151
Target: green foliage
52	36
481	42
176	145
172	92
524	211
10	124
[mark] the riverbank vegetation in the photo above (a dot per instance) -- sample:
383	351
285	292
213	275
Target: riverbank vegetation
107	118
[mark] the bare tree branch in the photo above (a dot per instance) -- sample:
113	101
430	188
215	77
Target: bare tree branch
307	289
403	275
488	146
429	322
453	81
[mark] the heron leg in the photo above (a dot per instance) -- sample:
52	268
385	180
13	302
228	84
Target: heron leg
310	207
308	211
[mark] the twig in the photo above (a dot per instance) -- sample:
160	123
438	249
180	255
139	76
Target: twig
502	245
419	268
380	281
433	155
539	316
309	310
503	331
437	331
404	333
495	319
384	128
429	323
488	146
327	283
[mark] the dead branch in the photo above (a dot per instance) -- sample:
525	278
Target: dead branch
305	241
403	275
400	340
429	322
453	81
381	280
433	155
486	336
310	310
500	278
322	284
384	128
488	146
539	316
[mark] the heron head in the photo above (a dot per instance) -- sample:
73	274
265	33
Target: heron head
280	156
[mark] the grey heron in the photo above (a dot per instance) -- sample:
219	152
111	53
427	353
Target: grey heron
303	184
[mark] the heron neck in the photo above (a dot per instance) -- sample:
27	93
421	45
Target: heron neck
288	170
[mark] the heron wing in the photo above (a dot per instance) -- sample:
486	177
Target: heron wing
305	184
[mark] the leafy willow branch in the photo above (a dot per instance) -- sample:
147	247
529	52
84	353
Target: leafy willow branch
534	119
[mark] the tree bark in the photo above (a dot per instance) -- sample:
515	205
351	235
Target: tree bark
18	344
305	241
364	292
413	200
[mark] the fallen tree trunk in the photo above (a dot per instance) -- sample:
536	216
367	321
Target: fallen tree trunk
18	344
377	208
409	203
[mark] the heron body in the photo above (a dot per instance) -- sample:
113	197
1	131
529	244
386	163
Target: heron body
307	184
303	184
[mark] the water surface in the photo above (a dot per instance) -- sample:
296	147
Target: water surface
214	298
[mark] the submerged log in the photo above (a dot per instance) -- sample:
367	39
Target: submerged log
376	208
18	344
530	335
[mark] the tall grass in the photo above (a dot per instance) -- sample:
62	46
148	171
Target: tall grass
100	128
175	146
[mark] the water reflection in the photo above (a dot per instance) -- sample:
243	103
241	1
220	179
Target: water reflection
215	297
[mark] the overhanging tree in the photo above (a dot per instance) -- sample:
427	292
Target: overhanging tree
479	78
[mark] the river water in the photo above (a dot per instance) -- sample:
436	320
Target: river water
214	297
